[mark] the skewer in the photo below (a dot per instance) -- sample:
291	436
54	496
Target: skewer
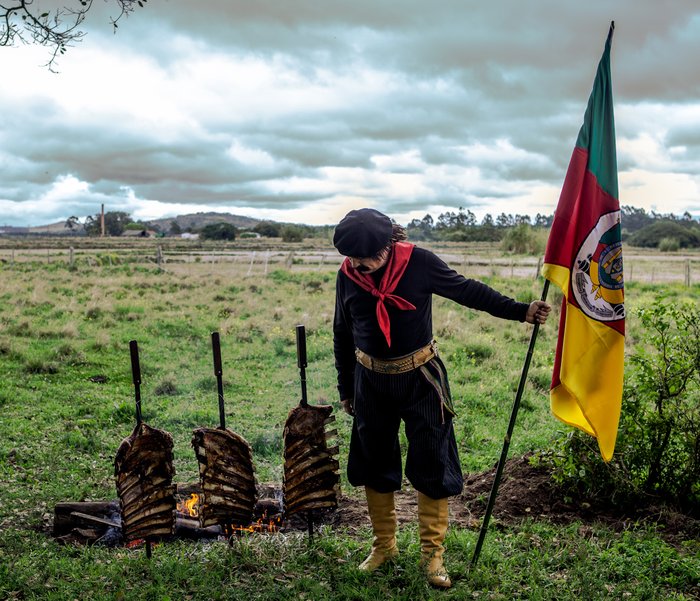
310	524
301	362
136	376
216	349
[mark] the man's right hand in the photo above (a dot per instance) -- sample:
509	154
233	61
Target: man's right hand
348	406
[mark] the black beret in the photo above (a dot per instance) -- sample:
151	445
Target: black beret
362	233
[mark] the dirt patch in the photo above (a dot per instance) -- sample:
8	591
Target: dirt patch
527	491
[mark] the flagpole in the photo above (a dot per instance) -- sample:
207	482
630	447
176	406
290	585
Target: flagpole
506	440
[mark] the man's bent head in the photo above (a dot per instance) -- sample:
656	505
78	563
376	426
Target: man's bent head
363	233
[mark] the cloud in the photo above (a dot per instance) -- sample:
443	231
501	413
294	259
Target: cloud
305	109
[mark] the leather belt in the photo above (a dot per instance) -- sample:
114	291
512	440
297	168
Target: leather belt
398	365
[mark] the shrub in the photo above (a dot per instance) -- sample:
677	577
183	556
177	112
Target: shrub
218	231
523	239
669	244
269	229
658	444
292	233
687	234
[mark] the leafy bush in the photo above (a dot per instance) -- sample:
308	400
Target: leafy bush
658	445
218	231
687	234
669	245
523	239
268	229
292	233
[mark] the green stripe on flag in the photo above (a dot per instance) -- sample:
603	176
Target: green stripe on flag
597	134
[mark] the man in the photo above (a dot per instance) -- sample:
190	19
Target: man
389	370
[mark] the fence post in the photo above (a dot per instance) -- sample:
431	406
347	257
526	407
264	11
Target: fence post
267	257
539	267
159	257
71	258
252	260
687	273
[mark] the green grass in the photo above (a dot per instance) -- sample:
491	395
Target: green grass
60	430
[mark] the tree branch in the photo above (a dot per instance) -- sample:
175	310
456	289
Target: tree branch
21	22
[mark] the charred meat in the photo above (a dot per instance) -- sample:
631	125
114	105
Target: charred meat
143	467
311	478
227	477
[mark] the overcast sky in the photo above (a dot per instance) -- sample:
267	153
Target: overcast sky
299	111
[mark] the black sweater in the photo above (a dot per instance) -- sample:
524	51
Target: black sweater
355	323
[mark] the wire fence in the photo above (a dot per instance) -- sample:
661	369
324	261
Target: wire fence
640	265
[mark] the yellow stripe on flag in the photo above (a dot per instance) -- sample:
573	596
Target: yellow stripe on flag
589	396
558	275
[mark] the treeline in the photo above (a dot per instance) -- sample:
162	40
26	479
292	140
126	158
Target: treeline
516	233
639	228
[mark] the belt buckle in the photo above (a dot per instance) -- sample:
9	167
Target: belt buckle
392	368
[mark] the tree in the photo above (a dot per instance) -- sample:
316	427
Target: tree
268	229
543	220
421	229
686	232
175	229
487	220
633	219
504	220
72	223
218	231
115	223
27	22
292	233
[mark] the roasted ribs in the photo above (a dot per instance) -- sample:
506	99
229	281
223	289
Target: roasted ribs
311	478
143	467
227	477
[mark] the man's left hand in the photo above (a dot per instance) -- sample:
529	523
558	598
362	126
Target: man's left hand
537	312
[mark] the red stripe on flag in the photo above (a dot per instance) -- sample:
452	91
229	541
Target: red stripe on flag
581	204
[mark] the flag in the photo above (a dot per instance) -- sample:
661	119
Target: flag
584	259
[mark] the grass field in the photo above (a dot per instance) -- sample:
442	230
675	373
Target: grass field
61	325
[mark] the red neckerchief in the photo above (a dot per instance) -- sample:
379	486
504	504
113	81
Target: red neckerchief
396	265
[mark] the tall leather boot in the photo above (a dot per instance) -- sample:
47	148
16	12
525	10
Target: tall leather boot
382	513
432	522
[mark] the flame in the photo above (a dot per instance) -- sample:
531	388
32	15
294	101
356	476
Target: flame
264	524
189	506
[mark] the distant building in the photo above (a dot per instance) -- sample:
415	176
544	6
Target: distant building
138	234
189	236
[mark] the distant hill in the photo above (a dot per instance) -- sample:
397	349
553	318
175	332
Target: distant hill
51	228
194	221
197	221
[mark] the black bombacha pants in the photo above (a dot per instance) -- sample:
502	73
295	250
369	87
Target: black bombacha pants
381	402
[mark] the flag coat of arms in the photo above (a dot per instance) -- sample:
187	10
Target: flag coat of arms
584	259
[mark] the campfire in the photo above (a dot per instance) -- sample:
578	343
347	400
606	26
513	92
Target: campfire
189	506
226	502
269	510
